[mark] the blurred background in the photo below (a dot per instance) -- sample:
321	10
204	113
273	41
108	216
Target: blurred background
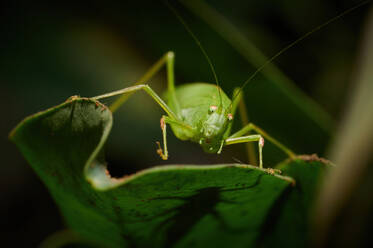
50	51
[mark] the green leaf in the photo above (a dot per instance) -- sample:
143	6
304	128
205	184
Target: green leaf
164	206
289	222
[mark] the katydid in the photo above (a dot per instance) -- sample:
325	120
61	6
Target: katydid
202	112
199	112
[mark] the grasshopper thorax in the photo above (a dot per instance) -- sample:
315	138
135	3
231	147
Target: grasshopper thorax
213	129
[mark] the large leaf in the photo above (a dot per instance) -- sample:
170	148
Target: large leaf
183	206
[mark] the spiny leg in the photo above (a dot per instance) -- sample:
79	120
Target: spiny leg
239	103
167	120
171	118
164	155
249	138
147	89
251	126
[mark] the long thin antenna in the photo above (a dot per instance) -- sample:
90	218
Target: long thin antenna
296	42
199	45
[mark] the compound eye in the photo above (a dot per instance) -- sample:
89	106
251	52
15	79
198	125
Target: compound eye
230	117
212	109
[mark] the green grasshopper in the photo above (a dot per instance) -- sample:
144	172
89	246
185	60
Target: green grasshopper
199	112
202	112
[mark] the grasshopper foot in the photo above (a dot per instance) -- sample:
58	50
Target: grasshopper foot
160	152
273	171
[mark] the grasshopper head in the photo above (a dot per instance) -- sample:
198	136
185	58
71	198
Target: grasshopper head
213	130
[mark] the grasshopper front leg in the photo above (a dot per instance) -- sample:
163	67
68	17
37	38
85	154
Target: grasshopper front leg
248	127
250	138
253	127
239	103
167	120
238	138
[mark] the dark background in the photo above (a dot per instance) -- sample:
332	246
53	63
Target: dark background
50	51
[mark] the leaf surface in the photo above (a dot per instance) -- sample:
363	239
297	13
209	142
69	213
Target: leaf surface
164	206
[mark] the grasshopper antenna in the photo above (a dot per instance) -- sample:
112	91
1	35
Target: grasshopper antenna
181	20
296	42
